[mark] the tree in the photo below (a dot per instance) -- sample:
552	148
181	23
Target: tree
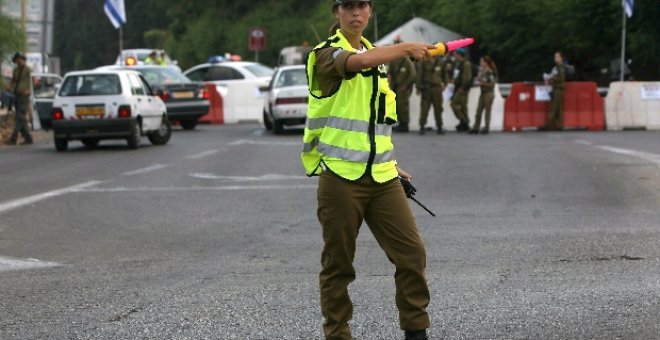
10	36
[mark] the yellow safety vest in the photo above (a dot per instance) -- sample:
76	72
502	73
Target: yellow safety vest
350	131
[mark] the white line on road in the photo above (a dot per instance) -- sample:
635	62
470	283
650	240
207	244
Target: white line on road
583	142
649	157
17	203
268	177
150	168
203	154
7	263
196	188
254	142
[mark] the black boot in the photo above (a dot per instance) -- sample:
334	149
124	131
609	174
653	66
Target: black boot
416	335
422	130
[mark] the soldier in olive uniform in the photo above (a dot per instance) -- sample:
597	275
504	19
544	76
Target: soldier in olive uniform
462	84
487	80
402	76
431	82
556	78
20	87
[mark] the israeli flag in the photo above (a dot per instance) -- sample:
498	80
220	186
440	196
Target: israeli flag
115	11
628	7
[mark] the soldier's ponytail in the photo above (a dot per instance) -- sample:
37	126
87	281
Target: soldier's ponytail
334	28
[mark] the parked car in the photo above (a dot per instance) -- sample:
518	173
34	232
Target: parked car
108	104
44	87
186	101
228	71
286	103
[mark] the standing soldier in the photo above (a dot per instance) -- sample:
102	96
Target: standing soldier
556	78
20	88
403	76
487	80
462	84
431	82
348	143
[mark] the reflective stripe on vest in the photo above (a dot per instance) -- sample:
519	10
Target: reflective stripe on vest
347	154
347	125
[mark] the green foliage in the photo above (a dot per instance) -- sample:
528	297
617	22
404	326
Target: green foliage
520	35
10	36
155	38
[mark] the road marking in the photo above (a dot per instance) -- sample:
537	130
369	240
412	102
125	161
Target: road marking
203	154
17	203
583	142
254	142
150	168
268	177
7	264
196	188
649	157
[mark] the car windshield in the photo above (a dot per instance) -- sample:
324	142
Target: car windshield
91	85
293	77
162	75
260	70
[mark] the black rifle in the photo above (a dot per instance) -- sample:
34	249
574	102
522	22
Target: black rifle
410	191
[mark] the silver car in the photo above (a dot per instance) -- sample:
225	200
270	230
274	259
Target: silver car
286	103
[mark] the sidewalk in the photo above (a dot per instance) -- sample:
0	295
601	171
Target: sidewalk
7	126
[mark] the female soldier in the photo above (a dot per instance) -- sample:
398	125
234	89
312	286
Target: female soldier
487	80
348	143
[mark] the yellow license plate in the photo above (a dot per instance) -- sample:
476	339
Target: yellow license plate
183	94
90	111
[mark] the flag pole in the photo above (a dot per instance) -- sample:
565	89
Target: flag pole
623	41
121	39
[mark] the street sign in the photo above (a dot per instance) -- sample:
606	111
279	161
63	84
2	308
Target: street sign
257	39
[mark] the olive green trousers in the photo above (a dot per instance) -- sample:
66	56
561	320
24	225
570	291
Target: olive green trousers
431	96
342	207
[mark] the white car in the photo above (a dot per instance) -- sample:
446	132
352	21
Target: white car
227	71
108	104
286	102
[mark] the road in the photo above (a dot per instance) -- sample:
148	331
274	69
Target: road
215	236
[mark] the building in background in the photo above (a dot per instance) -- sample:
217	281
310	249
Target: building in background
39	21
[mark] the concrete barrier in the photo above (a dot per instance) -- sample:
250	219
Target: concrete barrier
242	102
448	117
633	105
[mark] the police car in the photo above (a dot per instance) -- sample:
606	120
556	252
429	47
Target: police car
108	104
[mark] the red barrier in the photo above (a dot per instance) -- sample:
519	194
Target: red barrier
216	113
583	107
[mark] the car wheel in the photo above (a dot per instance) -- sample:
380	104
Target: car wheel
90	143
61	144
163	134
278	127
188	124
134	139
267	123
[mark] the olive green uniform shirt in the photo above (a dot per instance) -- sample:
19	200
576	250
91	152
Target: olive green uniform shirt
403	74
331	68
431	73
20	80
559	79
464	76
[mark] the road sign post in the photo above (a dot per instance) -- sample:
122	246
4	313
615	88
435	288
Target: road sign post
257	42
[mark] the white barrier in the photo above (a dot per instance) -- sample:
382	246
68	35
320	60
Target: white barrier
633	105
448	117
242	101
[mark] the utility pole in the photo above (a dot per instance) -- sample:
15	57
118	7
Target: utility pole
24	25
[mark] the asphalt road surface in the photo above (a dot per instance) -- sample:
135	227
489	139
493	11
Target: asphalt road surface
215	236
